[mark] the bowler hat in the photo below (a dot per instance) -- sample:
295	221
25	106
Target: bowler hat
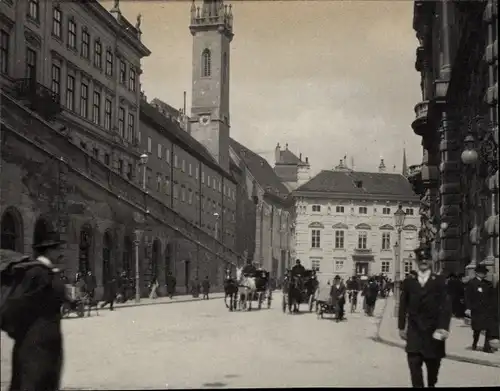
47	239
337	277
481	269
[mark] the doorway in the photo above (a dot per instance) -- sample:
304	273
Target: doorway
362	268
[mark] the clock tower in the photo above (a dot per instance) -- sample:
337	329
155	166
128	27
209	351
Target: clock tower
212	30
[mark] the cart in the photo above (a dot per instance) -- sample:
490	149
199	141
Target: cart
324	302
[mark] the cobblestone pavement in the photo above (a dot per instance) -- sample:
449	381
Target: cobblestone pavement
458	346
202	345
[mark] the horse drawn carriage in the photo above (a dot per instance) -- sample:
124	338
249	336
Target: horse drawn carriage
248	288
298	289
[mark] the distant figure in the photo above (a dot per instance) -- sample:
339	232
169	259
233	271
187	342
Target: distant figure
110	292
337	293
205	285
298	269
90	284
370	292
171	283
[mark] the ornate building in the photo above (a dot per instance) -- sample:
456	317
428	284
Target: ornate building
345	222
457	119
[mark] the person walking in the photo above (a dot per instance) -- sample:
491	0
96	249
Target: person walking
370	293
171	284
110	292
424	320
90	285
205	285
337	294
480	298
37	356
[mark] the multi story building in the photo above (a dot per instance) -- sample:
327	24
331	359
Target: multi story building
345	222
457	119
71	107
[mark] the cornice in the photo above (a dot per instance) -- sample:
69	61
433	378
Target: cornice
348	197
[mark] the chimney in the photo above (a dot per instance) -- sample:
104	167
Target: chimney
307	160
300	156
381	167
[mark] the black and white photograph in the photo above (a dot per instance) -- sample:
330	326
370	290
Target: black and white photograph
224	194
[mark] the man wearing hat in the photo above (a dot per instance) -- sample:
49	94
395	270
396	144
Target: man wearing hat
424	320
298	269
337	293
38	349
479	301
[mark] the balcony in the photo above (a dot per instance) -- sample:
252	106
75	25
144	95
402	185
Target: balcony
363	251
421	122
38	98
415	179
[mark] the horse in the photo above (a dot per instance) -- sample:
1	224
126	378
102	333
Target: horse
294	289
246	289
231	291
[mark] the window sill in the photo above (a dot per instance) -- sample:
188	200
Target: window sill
57	38
32	20
72	49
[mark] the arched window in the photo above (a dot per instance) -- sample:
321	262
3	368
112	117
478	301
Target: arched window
127	256
206	63
106	257
10	232
224	67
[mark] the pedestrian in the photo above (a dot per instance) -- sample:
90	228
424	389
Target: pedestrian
110	292
153	288
205	285
171	284
337	294
37	356
424	320
480	299
90	285
370	293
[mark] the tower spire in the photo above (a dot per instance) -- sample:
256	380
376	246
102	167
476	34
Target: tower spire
405	166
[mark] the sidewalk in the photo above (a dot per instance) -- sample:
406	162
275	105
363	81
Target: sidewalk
183	298
457	345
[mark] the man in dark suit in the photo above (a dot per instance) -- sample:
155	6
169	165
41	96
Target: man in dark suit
337	293
298	269
480	298
37	355
424	320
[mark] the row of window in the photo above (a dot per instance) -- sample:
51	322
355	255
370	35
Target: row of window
164	153
361	210
339	264
123	169
85	41
340	239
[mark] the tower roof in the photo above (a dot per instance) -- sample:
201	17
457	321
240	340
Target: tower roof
213	14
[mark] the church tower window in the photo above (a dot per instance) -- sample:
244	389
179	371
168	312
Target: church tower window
206	61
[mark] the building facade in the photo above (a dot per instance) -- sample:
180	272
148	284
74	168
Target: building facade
345	223
71	144
457	119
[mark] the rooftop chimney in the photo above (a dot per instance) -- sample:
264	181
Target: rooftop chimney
307	160
300	156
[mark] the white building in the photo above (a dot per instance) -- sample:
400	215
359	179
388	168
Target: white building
345	222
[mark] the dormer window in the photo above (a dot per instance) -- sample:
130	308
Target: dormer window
386	211
339	209
363	210
358	184
316	208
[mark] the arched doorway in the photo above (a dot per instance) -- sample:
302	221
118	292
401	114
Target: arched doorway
107	246
155	258
11	231
84	261
127	256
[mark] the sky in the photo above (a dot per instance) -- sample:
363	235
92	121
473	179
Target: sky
330	78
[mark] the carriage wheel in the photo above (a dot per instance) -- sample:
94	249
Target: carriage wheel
80	309
311	303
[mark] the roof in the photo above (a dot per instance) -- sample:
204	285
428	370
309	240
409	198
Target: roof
288	157
165	106
260	169
355	183
173	131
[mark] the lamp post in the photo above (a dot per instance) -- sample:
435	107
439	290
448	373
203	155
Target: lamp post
469	159
399	219
144	161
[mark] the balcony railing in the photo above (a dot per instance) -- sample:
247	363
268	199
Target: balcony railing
421	113
360	251
38	97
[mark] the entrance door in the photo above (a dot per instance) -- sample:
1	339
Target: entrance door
361	268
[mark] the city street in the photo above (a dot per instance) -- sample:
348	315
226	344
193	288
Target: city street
201	344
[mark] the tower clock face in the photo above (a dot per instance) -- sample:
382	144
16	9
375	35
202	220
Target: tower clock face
204	119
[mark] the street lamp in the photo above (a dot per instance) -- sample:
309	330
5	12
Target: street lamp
399	220
144	161
469	159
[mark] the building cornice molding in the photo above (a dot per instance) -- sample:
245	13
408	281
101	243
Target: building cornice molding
348	197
